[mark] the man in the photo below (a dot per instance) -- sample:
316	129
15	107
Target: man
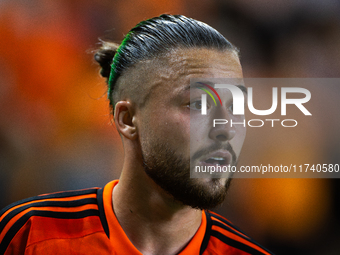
155	207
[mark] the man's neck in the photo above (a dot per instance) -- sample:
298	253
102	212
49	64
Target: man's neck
153	221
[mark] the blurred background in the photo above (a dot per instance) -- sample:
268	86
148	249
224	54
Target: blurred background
55	127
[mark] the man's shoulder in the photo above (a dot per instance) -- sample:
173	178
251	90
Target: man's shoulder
67	214
224	235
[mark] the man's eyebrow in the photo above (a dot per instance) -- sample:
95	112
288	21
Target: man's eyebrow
243	88
197	85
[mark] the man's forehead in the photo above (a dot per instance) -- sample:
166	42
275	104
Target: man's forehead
185	64
181	58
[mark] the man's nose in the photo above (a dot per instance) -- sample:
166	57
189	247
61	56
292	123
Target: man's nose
222	132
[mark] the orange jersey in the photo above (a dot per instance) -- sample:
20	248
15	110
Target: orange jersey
83	222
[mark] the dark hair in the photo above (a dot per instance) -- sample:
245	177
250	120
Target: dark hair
152	38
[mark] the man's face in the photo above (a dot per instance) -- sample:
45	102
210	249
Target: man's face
172	130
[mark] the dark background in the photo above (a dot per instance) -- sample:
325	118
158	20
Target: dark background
55	131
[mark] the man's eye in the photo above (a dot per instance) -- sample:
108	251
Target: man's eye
196	105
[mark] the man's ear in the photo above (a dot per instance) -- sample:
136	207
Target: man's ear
124	119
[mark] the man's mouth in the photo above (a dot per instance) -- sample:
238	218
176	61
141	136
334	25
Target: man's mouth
220	157
216	161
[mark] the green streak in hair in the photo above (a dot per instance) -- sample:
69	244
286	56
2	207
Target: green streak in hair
113	73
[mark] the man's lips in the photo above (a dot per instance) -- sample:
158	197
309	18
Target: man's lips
219	157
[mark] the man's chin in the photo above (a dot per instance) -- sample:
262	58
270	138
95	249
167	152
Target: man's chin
212	181
205	193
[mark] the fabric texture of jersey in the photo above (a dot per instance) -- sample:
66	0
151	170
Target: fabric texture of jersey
83	222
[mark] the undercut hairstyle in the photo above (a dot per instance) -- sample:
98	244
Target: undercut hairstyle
153	38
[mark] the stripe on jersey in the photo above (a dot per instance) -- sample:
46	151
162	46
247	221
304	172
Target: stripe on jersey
72	203
63	194
236	244
58	200
102	215
233	229
247	239
228	226
59	215
225	221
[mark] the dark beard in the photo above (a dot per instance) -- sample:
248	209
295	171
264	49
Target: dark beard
172	174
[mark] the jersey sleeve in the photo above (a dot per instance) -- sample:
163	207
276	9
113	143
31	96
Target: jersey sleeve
225	238
44	217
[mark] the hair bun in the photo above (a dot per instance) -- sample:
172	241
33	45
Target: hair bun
104	56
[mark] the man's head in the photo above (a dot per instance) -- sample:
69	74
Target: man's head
157	113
